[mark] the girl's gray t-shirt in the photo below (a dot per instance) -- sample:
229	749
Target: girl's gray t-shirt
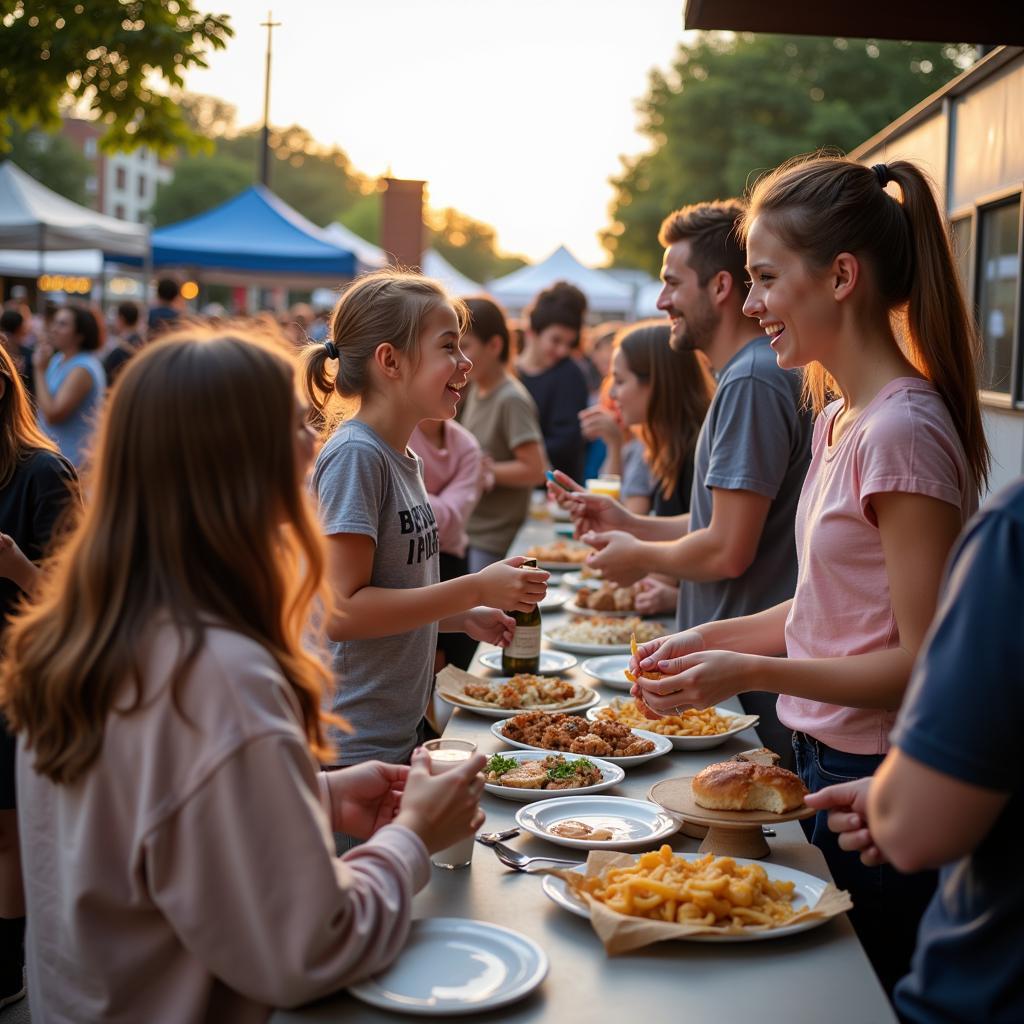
383	685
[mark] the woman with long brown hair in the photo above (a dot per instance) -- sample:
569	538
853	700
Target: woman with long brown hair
36	486
856	283
168	703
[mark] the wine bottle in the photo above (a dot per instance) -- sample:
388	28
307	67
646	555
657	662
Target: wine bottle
523	654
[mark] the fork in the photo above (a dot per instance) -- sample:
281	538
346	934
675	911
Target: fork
520	862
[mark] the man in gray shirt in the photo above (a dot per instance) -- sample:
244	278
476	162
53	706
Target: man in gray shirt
735	552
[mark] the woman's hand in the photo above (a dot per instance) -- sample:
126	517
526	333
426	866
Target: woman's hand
655	596
15	565
847	806
560	487
699	680
365	797
507	585
489	626
41	355
598	422
442	809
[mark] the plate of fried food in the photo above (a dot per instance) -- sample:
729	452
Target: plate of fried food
691	729
607	599
551	662
559	555
697	897
505	696
587	576
601	634
525	776
566	733
597	822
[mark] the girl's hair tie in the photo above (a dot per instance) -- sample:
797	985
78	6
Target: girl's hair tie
332	349
882	174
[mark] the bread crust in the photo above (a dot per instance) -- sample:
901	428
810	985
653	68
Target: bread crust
744	786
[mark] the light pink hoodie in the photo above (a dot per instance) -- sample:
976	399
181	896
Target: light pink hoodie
190	874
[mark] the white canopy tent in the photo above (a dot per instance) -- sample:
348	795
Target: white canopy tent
457	284
37	218
604	294
368	256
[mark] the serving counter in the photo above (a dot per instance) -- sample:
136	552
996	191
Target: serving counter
818	975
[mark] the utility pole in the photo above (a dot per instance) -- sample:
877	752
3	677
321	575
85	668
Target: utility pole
269	25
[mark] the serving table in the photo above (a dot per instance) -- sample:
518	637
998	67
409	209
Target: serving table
821	974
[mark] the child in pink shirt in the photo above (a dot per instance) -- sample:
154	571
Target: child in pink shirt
453	476
859	288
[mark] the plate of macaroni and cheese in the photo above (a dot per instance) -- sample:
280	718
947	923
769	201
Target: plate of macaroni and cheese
691	729
729	899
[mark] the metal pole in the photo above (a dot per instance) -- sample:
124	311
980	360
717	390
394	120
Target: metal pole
269	25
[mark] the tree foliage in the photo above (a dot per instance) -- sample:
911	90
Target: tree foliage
53	160
732	107
109	57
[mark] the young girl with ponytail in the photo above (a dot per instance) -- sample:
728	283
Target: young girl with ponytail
394	351
853	278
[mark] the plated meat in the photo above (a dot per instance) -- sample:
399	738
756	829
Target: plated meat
575	735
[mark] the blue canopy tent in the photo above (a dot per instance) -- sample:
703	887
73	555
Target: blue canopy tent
253	238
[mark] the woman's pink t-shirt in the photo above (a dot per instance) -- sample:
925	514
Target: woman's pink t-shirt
903	441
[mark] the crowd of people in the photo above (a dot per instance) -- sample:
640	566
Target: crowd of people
233	558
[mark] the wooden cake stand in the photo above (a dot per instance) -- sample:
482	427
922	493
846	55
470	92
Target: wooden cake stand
730	833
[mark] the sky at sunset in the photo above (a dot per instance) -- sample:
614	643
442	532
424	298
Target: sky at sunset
515	113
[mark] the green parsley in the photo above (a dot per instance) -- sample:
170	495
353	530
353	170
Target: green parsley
567	769
501	765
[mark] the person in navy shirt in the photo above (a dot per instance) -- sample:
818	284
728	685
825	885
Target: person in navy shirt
950	792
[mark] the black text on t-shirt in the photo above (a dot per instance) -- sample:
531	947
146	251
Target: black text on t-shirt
419	520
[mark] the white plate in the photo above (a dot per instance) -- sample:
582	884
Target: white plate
696	742
452	965
575	580
637	823
552	663
611	774
609	670
661	746
559	566
575	648
554	599
574	609
807	892
495	712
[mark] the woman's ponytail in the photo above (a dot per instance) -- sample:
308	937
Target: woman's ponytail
942	338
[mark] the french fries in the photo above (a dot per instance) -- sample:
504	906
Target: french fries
712	891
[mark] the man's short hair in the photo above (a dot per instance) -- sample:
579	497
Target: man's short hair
167	289
11	321
710	228
129	313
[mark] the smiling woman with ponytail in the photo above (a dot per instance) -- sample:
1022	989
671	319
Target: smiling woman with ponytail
853	278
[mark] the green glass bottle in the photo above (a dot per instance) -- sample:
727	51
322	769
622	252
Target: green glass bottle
523	654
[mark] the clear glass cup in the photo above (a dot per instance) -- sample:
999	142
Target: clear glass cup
446	754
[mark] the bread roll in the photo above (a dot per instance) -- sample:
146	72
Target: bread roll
743	786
